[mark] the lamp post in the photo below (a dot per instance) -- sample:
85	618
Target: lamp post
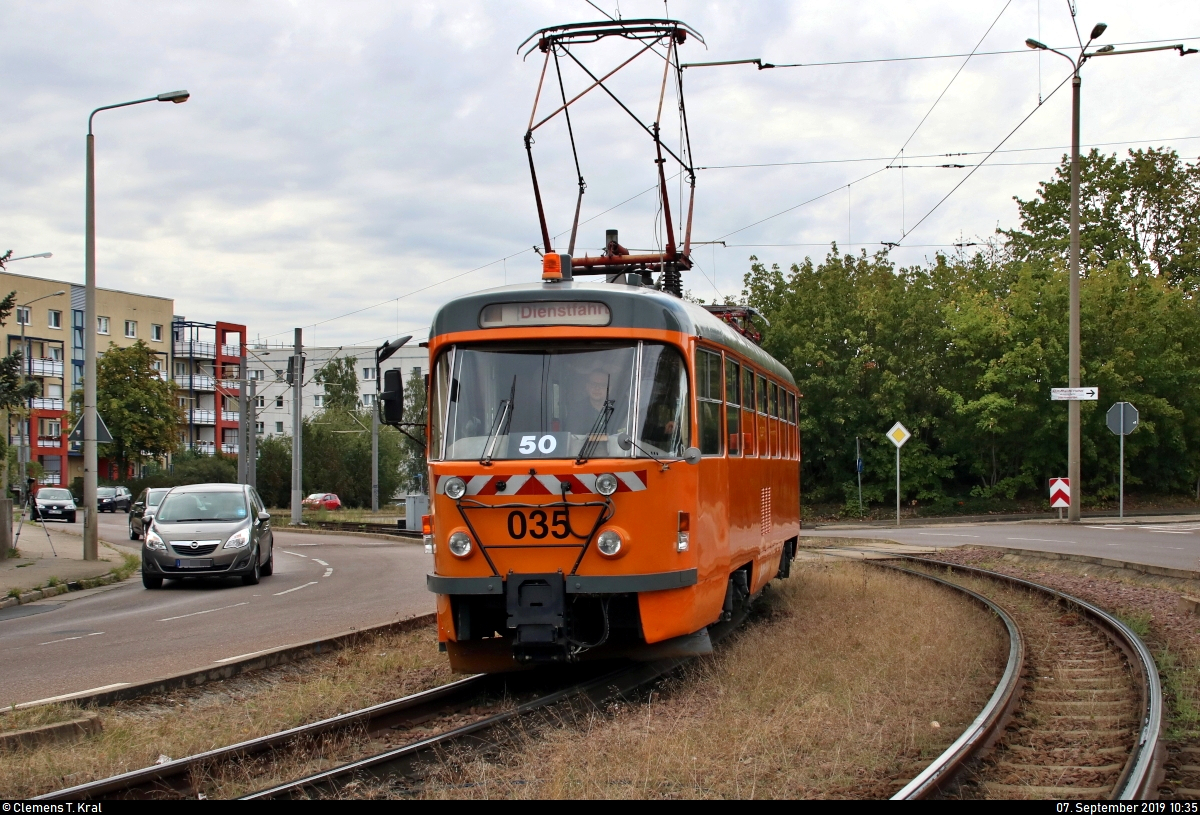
26	436
1073	415
91	539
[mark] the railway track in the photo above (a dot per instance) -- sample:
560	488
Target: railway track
1077	713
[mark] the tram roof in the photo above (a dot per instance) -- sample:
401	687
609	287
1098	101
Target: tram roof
630	306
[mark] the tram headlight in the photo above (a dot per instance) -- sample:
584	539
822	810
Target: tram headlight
606	484
609	542
455	487
460	544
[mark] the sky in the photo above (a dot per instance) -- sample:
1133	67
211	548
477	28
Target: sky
348	168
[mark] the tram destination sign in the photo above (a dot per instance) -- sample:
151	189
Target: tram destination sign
514	315
1074	394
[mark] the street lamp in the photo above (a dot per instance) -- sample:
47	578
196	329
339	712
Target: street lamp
27	257
1073	418
26	437
91	539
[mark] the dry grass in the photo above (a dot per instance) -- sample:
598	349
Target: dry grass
831	693
186	722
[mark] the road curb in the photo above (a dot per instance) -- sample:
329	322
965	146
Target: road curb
1142	568
236	667
33	595
59	731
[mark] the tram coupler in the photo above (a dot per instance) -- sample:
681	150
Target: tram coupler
536	604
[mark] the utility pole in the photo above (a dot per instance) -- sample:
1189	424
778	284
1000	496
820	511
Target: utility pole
375	451
243	418
1073	424
297	440
858	466
252	435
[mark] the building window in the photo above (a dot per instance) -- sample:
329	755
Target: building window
319	401
101	325
279	427
278	401
180	369
22	315
54	391
156	332
368	399
156	364
368	373
256	374
279	374
56	352
260	401
53	427
55	319
131	329
259	427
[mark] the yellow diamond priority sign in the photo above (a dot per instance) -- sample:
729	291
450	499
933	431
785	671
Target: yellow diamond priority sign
898	435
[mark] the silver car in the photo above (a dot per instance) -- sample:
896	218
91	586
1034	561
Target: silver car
54	504
208	530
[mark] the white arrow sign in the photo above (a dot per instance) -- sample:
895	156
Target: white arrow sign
1074	394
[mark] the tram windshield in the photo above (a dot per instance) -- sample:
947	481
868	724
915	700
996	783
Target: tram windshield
529	402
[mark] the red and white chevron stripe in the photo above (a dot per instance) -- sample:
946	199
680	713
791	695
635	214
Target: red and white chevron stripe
548	484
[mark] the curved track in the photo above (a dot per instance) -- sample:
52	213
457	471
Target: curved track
1062	720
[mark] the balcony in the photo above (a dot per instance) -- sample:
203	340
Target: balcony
204	448
229	449
231	416
196	382
51	480
46	403
196	349
199	416
50	441
18	441
45	367
232	385
231	350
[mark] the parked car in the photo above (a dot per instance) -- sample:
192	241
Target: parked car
141	513
111	499
322	500
53	504
208	530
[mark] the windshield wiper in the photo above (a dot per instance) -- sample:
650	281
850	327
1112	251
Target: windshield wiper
599	428
503	415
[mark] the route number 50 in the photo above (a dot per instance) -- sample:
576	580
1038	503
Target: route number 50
545	444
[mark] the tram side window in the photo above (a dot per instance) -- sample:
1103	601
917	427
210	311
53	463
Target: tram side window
733	392
708	394
774	400
761	401
748	423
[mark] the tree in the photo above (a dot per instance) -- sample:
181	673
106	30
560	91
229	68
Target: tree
274	470
337	457
139	408
341	384
1143	210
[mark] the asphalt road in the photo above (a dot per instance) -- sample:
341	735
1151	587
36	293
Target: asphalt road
323	585
1172	544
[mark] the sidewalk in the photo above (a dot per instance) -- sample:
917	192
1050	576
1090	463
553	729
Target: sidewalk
969	520
38	566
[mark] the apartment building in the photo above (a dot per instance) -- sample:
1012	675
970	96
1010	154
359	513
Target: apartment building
50	316
207	371
267	365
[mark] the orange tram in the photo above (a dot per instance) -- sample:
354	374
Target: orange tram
613	470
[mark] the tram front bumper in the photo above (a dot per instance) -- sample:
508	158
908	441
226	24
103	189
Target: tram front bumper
574	584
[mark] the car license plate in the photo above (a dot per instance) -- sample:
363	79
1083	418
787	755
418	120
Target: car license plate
54	512
194	563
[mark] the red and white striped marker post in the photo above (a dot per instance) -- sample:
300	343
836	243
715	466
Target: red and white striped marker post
1060	494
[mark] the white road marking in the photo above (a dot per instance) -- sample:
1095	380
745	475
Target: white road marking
306	544
946	535
318	560
100	689
297	554
328	572
68	639
1109	528
1163	531
206	611
1039	540
297	588
242	656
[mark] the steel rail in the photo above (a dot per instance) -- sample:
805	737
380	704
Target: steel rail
979	733
599	690
1142	771
441	695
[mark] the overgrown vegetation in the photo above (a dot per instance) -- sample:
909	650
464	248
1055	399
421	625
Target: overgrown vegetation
964	351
